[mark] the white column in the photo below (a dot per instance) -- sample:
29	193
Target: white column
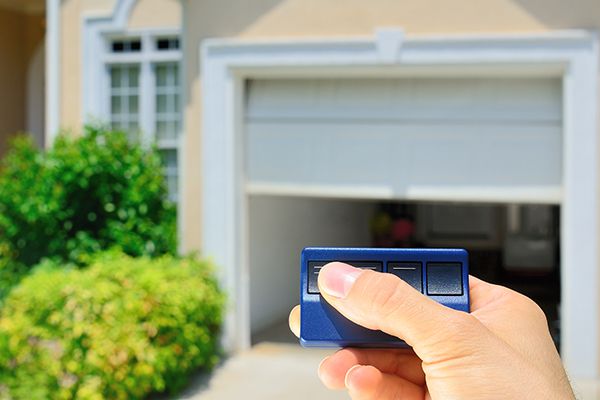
53	81
580	262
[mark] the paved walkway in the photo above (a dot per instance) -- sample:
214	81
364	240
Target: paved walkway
267	371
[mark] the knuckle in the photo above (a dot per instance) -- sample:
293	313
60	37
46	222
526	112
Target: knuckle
536	311
530	308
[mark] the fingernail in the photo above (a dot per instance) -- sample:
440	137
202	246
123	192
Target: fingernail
319	368
336	279
348	377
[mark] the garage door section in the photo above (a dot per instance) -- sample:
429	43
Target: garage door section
451	138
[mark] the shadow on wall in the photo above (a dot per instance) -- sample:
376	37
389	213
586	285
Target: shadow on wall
582	14
227	18
20	37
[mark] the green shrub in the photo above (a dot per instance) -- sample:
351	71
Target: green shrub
84	195
119	329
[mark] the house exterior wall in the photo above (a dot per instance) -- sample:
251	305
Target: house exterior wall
72	13
156	14
266	19
20	34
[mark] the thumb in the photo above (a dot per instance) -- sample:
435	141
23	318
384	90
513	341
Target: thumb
381	301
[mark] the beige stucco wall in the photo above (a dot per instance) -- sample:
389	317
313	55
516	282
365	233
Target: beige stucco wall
20	34
323	18
156	14
72	14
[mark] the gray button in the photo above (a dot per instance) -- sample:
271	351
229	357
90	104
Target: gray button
409	272
444	279
314	267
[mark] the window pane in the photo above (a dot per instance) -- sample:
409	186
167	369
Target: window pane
135	45
175	77
167	101
116	107
133	104
161	76
169	158
172	188
115	77
168	119
161	129
134	74
176	104
161	103
164	44
118	47
126	46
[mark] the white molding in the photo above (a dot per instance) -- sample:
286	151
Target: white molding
53	71
36	99
226	64
389	42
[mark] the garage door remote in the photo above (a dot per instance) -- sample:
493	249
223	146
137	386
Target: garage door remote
441	274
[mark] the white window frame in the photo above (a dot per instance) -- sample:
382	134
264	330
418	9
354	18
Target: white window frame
147	59
98	34
570	55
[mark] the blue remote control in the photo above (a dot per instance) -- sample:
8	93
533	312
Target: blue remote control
441	274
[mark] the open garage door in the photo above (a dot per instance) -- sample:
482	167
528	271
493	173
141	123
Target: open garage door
456	139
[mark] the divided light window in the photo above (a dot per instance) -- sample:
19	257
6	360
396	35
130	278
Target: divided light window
168	120
163	44
126	46
145	96
124	97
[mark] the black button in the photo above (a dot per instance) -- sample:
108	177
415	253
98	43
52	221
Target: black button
444	279
409	272
314	267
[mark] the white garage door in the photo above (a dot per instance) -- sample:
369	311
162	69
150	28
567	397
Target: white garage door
428	139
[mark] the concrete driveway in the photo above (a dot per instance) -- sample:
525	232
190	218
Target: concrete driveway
267	371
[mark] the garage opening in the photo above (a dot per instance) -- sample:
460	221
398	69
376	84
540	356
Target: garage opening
509	244
460	155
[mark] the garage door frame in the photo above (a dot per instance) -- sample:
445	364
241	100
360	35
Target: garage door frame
570	55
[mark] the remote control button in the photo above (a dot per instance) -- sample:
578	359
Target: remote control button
409	272
372	265
314	267
444	279
313	274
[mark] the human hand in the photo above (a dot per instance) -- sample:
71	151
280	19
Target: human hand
501	350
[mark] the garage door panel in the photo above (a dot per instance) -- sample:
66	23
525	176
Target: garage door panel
424	100
401	158
353	155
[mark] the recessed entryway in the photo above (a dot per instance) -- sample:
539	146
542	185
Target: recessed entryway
512	245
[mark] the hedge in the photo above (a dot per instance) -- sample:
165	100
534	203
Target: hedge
85	194
121	328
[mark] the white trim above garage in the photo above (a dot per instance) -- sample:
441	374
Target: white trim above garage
571	56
